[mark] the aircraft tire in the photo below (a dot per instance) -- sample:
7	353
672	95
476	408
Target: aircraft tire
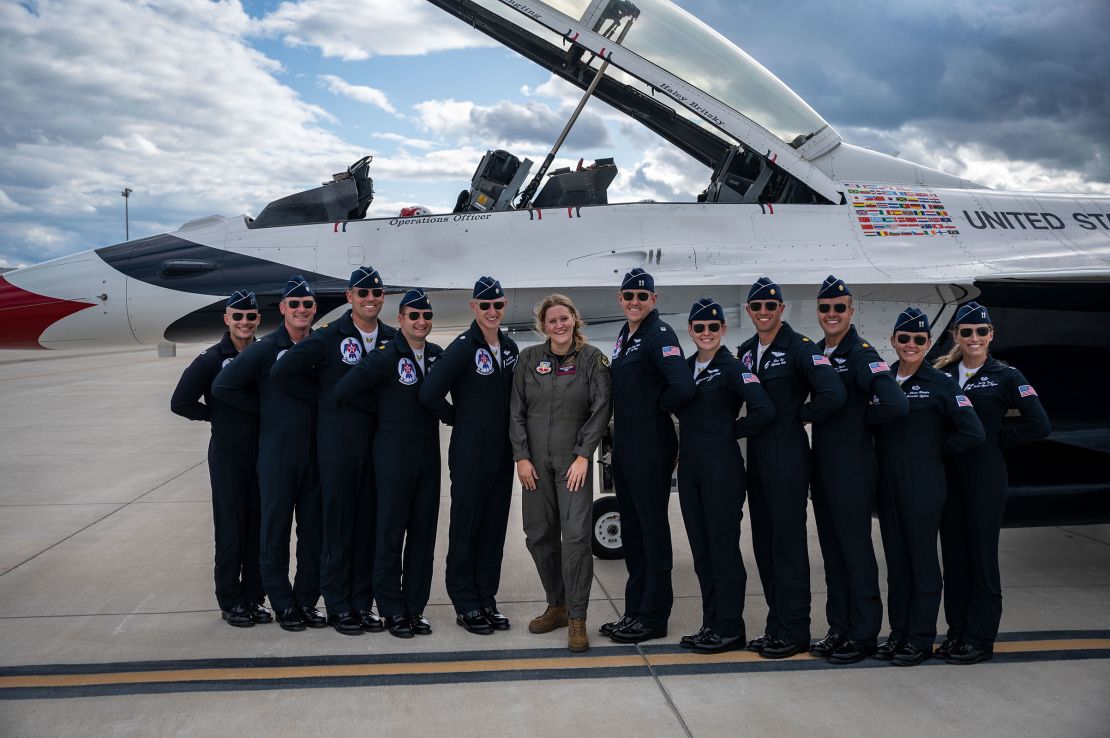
606	536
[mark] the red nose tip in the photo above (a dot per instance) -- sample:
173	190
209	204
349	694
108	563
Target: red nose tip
24	316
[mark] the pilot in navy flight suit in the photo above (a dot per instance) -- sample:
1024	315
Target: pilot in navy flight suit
978	485
232	455
711	475
790	367
287	474
912	489
477	369
844	478
311	369
406	464
650	380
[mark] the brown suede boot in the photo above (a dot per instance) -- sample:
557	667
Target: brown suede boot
577	640
554	617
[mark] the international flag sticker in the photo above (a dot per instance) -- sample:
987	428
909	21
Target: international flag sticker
821	360
1026	390
750	378
963	401
878	366
671	351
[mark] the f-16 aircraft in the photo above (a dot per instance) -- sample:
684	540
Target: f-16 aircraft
785	196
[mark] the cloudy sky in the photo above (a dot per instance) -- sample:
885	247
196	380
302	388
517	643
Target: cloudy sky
219	107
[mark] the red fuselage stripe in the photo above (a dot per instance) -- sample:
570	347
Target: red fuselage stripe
24	316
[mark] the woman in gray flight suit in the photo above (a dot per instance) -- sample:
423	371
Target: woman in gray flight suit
559	409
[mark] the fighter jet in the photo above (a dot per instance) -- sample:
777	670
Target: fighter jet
785	196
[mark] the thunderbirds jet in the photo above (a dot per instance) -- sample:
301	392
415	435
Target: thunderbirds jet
785	196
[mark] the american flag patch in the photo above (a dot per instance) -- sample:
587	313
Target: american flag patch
962	401
750	378
1026	390
878	366
671	351
819	360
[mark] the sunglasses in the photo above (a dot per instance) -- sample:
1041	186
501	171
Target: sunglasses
236	317
641	296
826	307
308	304
499	305
917	338
364	292
414	315
768	305
702	327
980	331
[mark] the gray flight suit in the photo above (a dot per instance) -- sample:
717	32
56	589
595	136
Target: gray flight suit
559	409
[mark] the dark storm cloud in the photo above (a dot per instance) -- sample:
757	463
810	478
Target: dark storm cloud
1026	79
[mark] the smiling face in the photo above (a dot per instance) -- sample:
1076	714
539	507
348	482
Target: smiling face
242	329
558	325
705	337
298	312
415	324
365	307
636	304
836	318
766	315
488	313
914	349
974	346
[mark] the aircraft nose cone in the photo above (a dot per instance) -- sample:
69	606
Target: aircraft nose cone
24	315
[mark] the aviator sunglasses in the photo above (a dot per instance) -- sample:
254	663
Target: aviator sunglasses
770	305
499	305
308	304
641	296
826	307
414	315
702	327
980	331
363	292
236	317
917	338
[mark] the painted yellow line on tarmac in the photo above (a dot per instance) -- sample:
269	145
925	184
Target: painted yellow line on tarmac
400	668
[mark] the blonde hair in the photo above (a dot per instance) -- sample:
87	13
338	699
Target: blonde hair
954	355
556	299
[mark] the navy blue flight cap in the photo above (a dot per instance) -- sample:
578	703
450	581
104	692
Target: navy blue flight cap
638	279
833	287
971	314
487	288
912	320
706	309
417	299
365	277
242	299
297	287
765	289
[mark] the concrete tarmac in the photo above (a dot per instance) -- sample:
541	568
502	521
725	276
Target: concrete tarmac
108	624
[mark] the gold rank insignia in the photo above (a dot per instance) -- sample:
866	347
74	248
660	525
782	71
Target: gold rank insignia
805	340
866	345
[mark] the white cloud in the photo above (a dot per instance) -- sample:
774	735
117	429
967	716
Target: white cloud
359	30
359	93
8	205
507	124
405	141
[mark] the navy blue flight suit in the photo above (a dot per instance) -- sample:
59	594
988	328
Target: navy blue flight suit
712	482
480	458
311	370
232	456
779	473
406	468
911	496
650	380
977	489
843	487
287	473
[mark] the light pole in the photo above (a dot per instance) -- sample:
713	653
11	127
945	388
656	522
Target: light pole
126	216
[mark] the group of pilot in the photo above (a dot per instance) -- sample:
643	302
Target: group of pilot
338	428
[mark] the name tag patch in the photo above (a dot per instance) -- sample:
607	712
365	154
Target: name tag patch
566	370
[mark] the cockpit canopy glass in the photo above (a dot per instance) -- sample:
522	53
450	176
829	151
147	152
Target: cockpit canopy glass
679	43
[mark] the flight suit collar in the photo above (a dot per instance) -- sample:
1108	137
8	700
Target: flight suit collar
722	356
475	335
784	336
645	325
227	348
402	345
851	338
281	337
